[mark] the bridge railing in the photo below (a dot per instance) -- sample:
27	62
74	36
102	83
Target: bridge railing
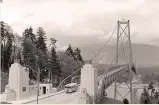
101	72
111	76
107	79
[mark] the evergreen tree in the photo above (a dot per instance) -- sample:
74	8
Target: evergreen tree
77	54
6	46
70	52
79	59
41	39
8	51
55	69
144	99
67	64
29	53
53	41
32	35
26	33
151	87
156	96
2	25
3	40
42	52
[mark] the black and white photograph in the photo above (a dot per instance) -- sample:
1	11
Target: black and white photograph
79	51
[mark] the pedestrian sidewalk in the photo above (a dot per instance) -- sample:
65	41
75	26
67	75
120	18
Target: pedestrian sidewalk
34	98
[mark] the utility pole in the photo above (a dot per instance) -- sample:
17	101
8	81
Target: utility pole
38	77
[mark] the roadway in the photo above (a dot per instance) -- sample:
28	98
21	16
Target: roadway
72	98
63	98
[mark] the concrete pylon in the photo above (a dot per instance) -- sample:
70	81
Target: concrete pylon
89	81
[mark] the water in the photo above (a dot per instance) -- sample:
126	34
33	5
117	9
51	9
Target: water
123	90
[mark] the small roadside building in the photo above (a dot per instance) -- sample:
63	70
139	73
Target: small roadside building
44	88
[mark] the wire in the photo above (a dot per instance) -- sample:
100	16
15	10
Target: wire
68	77
30	68
104	44
33	69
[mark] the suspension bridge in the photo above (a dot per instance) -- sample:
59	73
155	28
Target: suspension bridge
94	82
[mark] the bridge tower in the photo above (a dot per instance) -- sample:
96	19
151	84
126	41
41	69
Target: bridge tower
123	35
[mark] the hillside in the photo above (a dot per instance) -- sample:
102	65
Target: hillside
146	58
143	70
144	55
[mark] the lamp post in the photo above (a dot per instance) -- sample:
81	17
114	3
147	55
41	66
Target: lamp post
38	77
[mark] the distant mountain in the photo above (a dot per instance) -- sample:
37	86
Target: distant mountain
144	55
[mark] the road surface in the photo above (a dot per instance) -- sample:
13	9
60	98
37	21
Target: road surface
66	98
63	98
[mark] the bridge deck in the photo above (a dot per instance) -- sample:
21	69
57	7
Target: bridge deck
111	72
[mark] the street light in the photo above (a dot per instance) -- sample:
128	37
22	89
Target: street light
37	80
38	77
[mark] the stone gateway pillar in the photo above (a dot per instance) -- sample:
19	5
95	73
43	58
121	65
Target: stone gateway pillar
19	80
89	81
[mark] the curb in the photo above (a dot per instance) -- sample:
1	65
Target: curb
40	98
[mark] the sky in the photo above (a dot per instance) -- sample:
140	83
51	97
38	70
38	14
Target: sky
81	22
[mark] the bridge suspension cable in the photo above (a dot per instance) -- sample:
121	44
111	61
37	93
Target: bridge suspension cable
68	77
122	43
116	54
104	44
109	66
123	49
91	59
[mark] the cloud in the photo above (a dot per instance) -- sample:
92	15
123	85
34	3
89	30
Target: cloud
83	18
